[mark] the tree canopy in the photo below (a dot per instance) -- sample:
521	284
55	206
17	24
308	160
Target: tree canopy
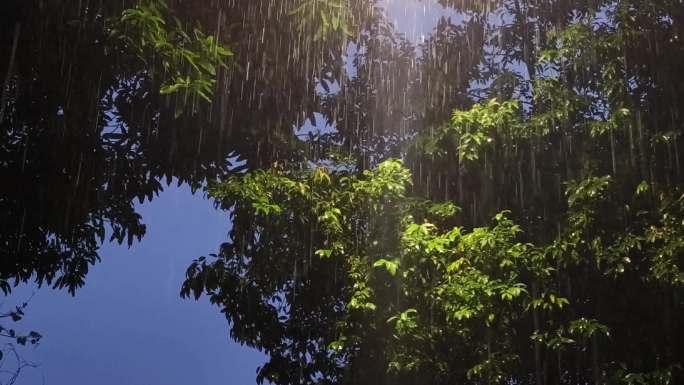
540	238
500	203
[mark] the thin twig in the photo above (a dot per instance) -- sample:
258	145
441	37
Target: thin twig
22	307
21	364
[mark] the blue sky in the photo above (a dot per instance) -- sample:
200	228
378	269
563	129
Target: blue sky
415	18
128	326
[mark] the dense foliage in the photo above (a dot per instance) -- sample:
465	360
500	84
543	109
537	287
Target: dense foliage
346	279
344	276
71	155
532	232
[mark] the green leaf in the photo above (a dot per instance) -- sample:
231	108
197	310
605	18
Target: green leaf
642	188
390	266
324	253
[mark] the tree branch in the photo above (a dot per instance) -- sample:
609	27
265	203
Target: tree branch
21	364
